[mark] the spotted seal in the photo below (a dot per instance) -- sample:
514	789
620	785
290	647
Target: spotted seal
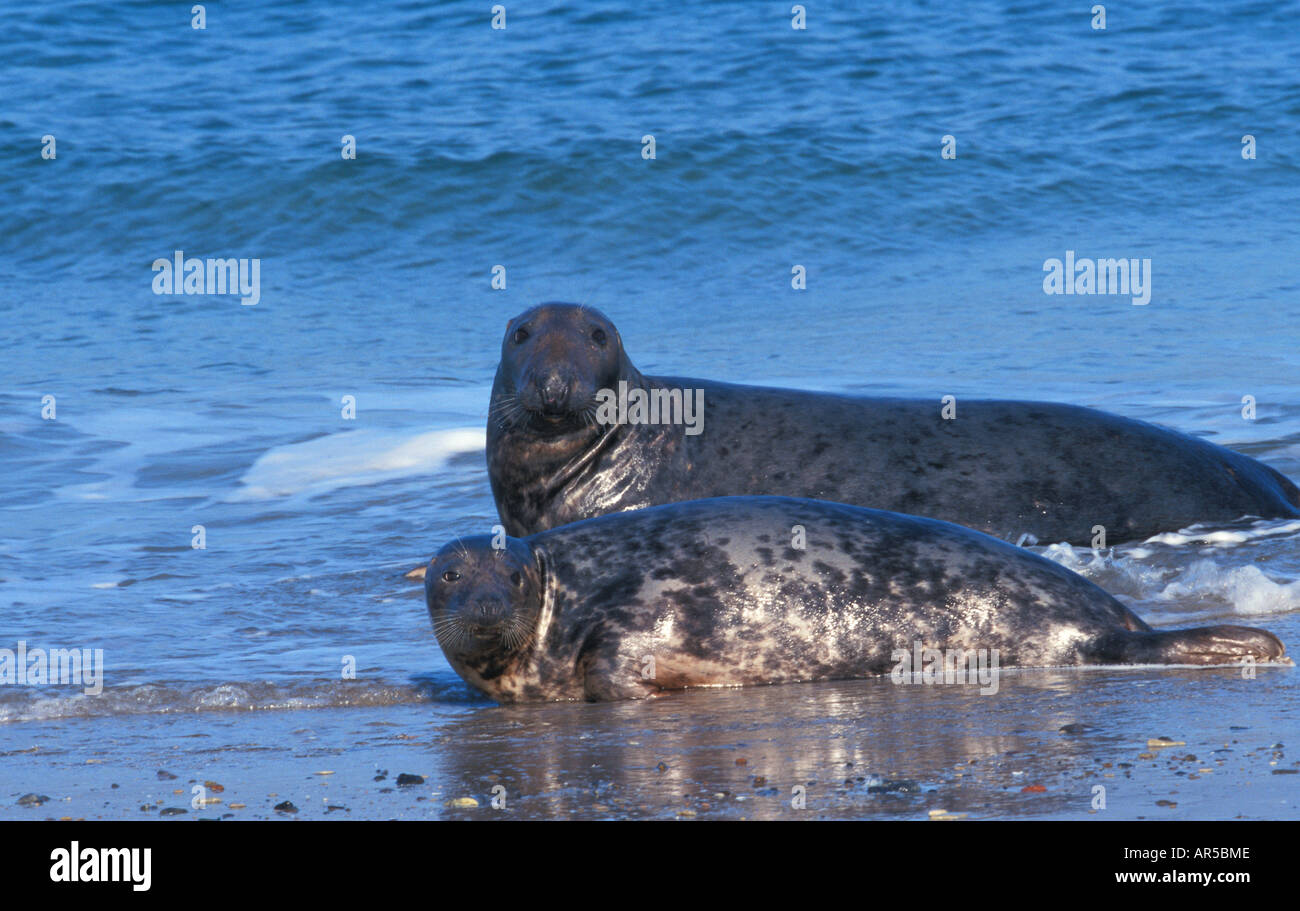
758	590
1007	468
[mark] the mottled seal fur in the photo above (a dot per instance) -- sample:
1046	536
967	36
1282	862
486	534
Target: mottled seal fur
1006	468
714	592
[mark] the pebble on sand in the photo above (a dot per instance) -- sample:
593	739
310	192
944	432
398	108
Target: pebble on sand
286	807
462	803
944	814
1157	743
406	778
32	800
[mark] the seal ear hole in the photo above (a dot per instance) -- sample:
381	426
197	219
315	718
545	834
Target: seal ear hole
521	336
450	576
517	578
599	337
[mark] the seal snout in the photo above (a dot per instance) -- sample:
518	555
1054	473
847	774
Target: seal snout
554	391
486	614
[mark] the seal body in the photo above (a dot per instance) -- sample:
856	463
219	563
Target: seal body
760	590
1052	471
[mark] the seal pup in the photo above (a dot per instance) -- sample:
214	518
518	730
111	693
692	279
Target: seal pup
1051	471
760	590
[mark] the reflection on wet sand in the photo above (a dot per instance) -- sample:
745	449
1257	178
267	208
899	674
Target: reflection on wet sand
858	749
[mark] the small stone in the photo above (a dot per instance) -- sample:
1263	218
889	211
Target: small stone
1158	743
286	807
164	775
1033	789
172	811
237	806
462	803
213	786
1166	803
32	800
326	772
742	761
406	779
1286	771
1073	728
661	767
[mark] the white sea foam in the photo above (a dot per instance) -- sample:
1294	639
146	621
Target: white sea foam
352	459
1226	537
1246	588
1199	568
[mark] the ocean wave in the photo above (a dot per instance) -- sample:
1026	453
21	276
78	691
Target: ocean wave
22	705
1208	569
353	459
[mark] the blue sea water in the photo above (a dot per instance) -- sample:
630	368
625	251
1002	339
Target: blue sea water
523	148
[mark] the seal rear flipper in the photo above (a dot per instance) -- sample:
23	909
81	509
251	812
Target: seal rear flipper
1207	645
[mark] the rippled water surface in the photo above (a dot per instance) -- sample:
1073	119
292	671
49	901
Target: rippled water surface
522	148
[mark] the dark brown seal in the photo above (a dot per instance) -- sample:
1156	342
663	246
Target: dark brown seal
1006	468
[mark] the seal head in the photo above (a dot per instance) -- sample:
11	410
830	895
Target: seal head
554	359
485	603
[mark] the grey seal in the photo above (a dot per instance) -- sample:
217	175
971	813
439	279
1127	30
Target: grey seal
1006	468
761	590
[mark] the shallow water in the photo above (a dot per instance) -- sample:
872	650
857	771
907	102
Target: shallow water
522	148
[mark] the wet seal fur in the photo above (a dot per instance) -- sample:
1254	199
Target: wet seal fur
711	592
1006	468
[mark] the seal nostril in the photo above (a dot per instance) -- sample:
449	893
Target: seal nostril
554	391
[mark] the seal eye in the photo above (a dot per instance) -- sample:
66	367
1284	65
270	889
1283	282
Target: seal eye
521	336
450	576
517	579
599	337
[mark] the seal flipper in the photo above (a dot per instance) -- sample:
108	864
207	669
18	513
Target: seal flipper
1206	645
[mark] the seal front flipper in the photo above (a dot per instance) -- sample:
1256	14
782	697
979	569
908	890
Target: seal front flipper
606	678
1205	645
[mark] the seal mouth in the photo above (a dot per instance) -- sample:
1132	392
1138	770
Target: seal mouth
552	417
